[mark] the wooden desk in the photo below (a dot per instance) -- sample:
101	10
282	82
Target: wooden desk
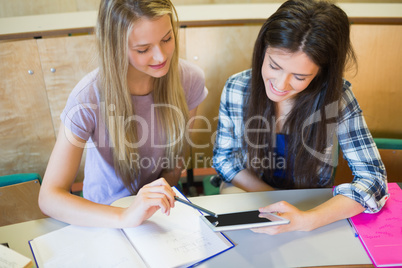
331	245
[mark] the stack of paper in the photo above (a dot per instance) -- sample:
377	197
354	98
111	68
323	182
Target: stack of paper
381	233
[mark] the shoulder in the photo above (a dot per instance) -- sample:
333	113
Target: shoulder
241	79
193	83
347	94
86	90
238	84
349	104
190	71
80	113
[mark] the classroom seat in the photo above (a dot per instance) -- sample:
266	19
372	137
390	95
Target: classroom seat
384	143
391	155
19	198
19	178
209	185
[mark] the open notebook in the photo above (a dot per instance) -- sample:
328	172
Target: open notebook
179	240
11	258
381	233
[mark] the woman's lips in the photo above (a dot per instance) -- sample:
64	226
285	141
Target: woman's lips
275	91
159	66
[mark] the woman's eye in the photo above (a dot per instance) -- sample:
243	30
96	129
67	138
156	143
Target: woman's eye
273	67
167	40
142	51
300	79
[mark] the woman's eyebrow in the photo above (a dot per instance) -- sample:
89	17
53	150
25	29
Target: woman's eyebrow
144	45
281	68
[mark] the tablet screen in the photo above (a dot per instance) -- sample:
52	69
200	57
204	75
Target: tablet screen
237	218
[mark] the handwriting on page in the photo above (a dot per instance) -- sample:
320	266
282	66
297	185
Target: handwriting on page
182	238
176	246
381	233
184	244
387	222
12	259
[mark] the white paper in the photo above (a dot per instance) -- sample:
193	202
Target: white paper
181	238
75	246
12	259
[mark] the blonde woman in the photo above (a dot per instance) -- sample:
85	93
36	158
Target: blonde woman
131	114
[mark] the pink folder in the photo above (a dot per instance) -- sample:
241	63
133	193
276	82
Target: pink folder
381	233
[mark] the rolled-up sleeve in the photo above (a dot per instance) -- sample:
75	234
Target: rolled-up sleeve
369	186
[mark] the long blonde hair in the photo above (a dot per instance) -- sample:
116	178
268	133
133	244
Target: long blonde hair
115	21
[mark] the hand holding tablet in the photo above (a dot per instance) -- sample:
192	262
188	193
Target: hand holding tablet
236	220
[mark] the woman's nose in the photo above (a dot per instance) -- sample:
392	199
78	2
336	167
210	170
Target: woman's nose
281	82
158	54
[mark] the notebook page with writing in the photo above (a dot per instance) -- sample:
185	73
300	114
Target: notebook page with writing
75	246
10	258
381	233
180	239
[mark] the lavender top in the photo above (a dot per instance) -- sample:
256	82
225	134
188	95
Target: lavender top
82	116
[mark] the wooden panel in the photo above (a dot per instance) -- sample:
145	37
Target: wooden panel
392	160
182	43
87	5
19	203
70	58
27	136
393	164
377	85
192	2
190	15
220	52
24	7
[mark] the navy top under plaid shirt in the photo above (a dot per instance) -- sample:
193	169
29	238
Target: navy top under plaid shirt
369	186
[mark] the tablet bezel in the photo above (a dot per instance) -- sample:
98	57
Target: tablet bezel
274	220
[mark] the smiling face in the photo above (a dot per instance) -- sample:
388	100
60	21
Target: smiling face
151	45
286	74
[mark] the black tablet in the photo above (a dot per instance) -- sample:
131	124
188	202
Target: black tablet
242	220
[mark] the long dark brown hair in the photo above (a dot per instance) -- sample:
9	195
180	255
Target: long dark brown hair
320	30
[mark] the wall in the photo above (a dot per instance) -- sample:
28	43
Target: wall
10	8
30	104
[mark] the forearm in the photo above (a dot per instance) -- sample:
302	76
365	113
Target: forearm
69	208
337	208
55	199
249	182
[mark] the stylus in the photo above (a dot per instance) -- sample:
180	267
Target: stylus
196	207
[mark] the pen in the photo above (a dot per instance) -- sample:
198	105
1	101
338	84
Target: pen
353	229
196	207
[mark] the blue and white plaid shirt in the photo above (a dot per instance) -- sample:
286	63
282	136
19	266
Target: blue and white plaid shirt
369	186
